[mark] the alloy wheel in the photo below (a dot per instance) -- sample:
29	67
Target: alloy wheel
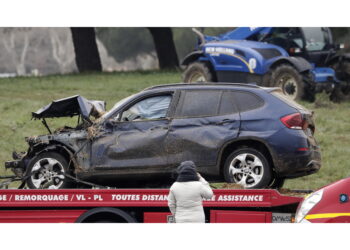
47	173
246	170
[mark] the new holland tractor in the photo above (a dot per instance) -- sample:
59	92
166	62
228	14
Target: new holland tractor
301	61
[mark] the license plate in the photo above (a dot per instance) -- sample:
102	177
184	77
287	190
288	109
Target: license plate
281	218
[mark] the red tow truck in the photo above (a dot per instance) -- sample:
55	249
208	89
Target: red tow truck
140	205
328	204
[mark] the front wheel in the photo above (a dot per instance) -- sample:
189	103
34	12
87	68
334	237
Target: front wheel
47	171
249	168
197	72
289	80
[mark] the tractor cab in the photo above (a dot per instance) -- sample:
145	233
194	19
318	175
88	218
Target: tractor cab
315	44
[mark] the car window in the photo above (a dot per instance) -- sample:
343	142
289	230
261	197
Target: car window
198	103
247	101
227	104
155	107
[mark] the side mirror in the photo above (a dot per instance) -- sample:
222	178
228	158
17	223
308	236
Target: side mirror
109	124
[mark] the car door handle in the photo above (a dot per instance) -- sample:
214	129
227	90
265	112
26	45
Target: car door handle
159	127
225	121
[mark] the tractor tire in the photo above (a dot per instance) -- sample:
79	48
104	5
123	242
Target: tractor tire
289	80
342	71
197	72
249	168
46	171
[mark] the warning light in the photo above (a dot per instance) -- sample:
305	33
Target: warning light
343	198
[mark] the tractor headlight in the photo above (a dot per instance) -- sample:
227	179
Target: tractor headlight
308	203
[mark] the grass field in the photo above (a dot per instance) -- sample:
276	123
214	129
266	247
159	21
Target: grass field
20	96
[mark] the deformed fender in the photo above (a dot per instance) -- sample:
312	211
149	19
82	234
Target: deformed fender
299	63
53	147
191	57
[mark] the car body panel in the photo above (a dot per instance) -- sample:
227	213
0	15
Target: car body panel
115	149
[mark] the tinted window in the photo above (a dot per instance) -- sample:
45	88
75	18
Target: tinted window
227	104
199	103
247	101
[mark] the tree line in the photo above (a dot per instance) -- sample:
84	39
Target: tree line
88	59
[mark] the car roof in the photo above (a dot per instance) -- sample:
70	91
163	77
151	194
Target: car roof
219	85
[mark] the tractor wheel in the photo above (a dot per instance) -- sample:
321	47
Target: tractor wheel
289	80
197	72
341	93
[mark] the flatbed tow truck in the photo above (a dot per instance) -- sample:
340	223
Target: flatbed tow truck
140	206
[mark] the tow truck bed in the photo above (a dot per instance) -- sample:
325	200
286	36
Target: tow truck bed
139	205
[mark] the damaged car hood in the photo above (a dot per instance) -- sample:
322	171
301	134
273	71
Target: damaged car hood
71	106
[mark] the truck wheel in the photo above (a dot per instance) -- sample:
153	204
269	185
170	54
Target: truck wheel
289	80
47	172
248	168
197	72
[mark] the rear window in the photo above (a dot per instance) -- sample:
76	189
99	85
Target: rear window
247	101
279	94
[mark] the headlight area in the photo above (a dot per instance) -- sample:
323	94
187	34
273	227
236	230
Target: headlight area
308	203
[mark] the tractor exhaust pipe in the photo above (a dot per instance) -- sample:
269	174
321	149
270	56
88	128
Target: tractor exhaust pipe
200	36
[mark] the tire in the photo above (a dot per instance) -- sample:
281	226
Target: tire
197	72
277	183
239	169
289	80
46	170
341	93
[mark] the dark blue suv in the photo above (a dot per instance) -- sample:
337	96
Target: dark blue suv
239	133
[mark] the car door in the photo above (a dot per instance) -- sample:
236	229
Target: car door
137	137
203	121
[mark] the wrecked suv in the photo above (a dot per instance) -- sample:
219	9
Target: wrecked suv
244	134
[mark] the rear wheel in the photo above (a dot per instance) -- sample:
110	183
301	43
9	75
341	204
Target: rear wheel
47	171
248	167
197	72
289	80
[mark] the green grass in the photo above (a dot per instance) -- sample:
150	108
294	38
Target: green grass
20	96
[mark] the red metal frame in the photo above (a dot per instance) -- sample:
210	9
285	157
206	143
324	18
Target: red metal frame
67	205
136	198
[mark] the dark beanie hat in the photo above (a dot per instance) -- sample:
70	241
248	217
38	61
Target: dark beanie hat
187	172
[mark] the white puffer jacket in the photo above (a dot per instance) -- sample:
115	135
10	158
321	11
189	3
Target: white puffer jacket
185	200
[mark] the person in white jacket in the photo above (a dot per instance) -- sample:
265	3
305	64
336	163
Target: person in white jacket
187	193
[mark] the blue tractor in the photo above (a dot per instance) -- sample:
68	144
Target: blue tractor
302	61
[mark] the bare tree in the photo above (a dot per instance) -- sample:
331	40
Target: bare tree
62	51
16	47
